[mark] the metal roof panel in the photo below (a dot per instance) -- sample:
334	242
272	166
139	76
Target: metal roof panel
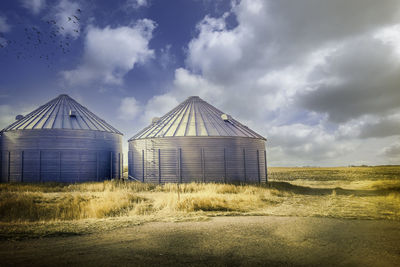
195	117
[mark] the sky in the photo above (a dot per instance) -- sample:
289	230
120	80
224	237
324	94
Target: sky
320	79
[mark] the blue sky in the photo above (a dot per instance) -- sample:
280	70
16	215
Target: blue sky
319	78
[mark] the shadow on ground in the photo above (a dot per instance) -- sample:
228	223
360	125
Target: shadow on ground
305	190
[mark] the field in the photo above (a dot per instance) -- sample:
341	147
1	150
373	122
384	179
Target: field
348	216
39	210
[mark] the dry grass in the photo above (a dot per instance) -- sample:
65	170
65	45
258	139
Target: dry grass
325	192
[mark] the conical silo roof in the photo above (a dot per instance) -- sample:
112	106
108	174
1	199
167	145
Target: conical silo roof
195	117
62	112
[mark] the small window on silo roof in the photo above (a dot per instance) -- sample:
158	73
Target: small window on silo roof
225	117
72	113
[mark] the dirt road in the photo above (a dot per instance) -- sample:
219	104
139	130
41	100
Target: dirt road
222	241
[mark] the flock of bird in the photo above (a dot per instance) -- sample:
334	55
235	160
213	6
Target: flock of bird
44	41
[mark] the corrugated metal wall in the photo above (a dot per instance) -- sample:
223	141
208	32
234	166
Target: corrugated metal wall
60	155
198	159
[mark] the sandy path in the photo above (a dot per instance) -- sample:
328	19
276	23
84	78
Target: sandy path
222	241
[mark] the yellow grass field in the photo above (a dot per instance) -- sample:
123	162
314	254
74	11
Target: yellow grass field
34	210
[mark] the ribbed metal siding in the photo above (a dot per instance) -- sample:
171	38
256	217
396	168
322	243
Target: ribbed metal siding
60	155
196	159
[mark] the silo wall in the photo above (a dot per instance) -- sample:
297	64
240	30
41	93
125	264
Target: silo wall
198	159
60	155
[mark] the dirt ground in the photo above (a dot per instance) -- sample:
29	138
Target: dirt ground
221	241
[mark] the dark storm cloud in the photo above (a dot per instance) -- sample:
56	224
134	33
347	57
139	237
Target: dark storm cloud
392	151
384	128
283	32
367	74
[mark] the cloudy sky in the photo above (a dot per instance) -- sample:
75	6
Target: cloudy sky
320	79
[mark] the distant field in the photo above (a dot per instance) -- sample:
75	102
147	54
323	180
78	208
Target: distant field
31	210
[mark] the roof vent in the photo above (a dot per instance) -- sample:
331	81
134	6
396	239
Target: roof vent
226	117
155	120
19	117
72	113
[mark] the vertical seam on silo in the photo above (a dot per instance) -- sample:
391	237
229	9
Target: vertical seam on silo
131	172
258	166
203	167
225	175
159	166
265	163
244	164
142	165
180	164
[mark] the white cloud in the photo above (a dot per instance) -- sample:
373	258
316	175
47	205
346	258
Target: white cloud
129	108
390	35
112	52
35	6
166	58
157	106
135	4
4	26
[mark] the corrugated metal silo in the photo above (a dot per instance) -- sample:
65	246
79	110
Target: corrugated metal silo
60	141
195	142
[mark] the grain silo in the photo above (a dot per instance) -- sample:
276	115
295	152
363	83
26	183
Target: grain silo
61	141
195	142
